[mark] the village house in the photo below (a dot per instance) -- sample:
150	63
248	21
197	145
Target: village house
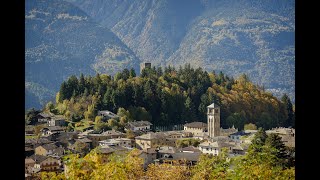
29	130
49	149
237	136
46	163
196	128
34	142
85	133
138	126
106	150
107	115
51	130
214	148
28	164
57	120
103	136
189	149
227	132
44	117
181	158
148	155
150	140
86	141
287	135
124	142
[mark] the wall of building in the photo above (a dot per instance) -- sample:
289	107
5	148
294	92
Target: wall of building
213	151
50	164
141	128
40	151
194	131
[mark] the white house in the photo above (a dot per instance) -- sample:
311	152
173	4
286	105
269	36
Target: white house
214	148
139	126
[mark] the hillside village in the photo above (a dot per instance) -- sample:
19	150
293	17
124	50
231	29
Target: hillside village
46	151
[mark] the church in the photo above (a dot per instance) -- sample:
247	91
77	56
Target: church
215	136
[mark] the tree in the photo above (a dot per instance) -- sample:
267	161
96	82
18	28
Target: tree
167	171
212	167
132	73
258	141
250	126
31	116
190	113
49	107
275	141
289	108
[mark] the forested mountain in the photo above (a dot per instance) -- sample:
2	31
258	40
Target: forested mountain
61	40
255	37
171	96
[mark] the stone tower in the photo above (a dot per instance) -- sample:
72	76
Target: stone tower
213	120
144	65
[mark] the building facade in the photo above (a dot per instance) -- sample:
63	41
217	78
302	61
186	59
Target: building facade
144	65
213	116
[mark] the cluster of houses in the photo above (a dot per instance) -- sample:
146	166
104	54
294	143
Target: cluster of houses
45	153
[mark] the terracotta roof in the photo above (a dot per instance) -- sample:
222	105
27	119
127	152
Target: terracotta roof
196	125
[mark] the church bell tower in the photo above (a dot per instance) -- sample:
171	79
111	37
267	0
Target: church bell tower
213	115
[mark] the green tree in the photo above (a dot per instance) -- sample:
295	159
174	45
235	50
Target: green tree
275	141
212	167
250	126
132	73
258	141
289	108
31	116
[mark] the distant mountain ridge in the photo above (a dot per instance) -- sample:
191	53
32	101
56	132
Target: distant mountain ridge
62	40
234	36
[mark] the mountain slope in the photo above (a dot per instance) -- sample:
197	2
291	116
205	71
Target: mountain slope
61	40
247	36
153	29
243	39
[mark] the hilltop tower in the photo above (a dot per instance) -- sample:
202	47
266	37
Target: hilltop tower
144	65
213	115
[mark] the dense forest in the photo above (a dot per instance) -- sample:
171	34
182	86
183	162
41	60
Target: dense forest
172	96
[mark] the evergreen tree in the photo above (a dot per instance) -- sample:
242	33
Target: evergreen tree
132	73
288	105
258	141
274	141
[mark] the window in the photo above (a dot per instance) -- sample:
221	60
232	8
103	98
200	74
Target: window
216	111
207	149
